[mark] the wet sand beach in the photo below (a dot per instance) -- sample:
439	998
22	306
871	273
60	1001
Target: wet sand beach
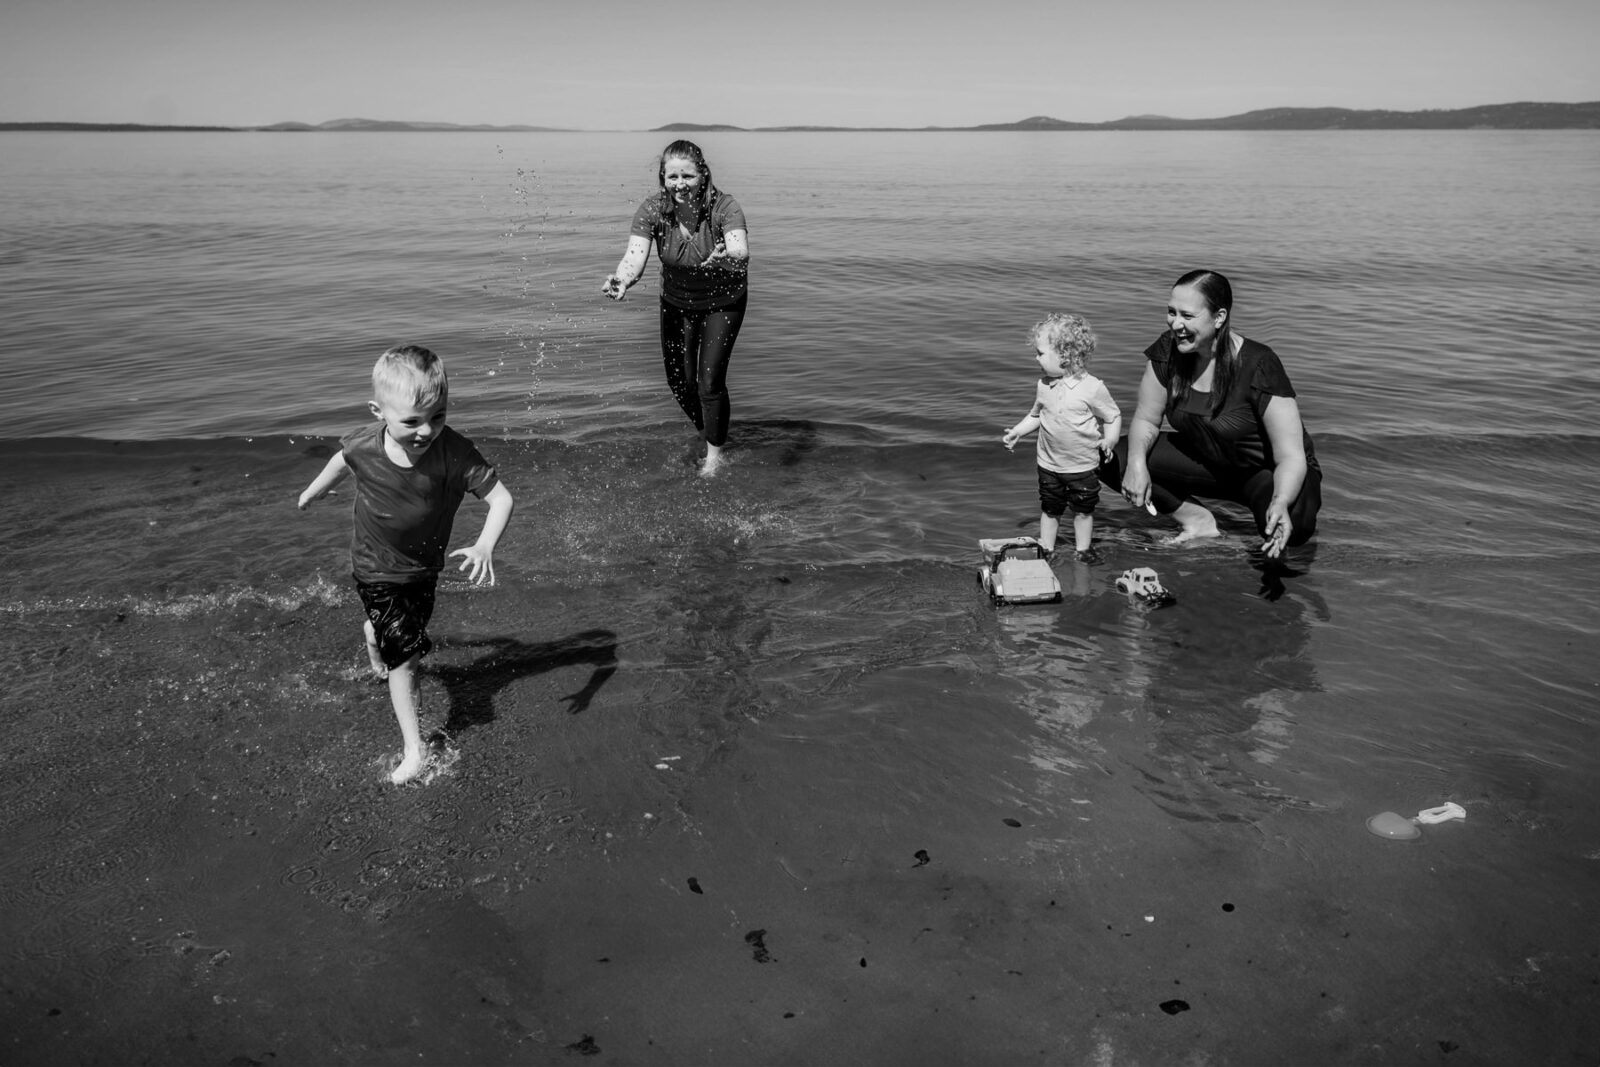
696	804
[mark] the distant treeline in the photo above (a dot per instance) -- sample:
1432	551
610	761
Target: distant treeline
1519	116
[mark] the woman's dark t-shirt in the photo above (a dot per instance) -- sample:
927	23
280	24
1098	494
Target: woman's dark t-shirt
1233	442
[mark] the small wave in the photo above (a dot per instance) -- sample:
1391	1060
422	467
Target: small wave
1456	441
320	591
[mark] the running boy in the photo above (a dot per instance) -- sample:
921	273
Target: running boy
411	473
1078	424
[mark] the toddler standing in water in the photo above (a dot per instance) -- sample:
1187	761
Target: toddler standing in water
1078	425
411	473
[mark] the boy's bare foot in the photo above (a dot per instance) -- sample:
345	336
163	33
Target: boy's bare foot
409	768
712	463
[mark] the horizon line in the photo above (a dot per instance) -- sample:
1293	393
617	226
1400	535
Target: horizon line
1255	117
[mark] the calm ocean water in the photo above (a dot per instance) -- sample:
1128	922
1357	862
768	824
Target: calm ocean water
189	320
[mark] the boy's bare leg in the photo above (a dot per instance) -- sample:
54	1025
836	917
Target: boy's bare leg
1048	527
713	461
403	693
1197	522
372	651
1082	531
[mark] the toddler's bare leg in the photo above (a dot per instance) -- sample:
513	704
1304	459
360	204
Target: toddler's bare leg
1048	526
403	693
1082	531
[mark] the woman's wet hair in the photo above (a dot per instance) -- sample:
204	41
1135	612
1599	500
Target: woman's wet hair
1217	292
706	194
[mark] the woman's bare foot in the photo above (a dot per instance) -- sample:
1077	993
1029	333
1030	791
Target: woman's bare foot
410	766
713	461
1197	522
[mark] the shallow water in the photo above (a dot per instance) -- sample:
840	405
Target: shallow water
784	683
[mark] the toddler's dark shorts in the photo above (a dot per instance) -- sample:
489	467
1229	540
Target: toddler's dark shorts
399	614
1058	491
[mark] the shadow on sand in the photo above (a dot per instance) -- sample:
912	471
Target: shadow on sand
473	686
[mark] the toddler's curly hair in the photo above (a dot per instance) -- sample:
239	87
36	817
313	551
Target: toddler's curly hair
1068	336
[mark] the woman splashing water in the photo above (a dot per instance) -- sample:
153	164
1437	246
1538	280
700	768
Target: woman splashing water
700	234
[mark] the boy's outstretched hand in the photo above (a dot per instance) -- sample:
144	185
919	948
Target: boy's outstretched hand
480	561
477	559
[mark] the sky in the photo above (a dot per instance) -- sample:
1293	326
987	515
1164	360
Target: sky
627	65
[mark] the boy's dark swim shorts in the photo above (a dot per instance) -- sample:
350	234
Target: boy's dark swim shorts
399	614
1057	491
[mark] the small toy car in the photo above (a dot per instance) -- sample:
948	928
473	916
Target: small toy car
1142	583
1015	571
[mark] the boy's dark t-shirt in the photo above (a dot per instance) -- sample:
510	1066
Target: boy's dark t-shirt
403	515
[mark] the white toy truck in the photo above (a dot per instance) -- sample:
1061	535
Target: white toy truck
1015	571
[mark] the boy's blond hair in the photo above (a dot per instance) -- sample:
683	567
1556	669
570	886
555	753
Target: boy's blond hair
410	373
1069	337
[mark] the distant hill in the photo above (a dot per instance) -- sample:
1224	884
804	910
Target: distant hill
391	126
1039	122
1519	116
695	127
107	127
334	126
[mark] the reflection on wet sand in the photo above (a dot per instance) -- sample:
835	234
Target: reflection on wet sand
1195	700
